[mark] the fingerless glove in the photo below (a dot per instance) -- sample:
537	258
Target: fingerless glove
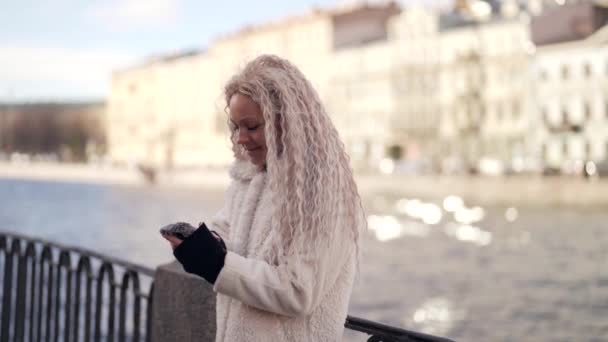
202	254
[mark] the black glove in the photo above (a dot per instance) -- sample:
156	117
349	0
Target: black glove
202	254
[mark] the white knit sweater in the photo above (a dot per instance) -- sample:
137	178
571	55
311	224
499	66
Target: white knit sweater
257	301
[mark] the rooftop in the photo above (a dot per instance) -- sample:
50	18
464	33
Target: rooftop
354	9
570	22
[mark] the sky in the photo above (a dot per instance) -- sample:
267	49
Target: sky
65	50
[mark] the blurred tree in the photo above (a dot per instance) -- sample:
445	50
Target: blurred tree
61	129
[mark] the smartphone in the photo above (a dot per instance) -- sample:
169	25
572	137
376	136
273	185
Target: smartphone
180	230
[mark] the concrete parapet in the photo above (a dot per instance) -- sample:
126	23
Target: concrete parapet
184	306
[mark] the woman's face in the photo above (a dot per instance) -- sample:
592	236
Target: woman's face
248	123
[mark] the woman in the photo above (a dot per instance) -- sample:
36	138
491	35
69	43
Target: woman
283	253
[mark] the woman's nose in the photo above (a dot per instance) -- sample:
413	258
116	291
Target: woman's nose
243	137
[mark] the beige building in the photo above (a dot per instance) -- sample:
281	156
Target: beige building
407	83
161	113
169	111
484	90
571	76
380	89
439	86
361	95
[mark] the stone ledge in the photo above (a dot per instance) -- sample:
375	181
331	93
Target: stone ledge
184	306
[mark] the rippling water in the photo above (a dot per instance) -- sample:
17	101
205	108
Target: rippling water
439	266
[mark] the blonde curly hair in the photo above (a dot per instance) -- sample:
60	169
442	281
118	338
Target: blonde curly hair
308	168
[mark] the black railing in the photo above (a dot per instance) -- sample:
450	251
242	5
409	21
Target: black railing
48	297
56	293
386	333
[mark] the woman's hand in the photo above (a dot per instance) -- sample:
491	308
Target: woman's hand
174	241
202	253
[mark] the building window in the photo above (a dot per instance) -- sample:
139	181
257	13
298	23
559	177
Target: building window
565	119
131	130
565	149
132	88
565	72
545	152
516	110
588	114
505	112
500	112
588	71
544	76
588	155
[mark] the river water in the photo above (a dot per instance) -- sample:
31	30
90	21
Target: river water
435	265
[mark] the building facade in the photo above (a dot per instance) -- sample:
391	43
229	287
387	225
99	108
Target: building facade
169	111
572	101
570	73
484	90
409	84
162	113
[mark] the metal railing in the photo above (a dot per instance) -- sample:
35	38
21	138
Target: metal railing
56	293
385	333
46	296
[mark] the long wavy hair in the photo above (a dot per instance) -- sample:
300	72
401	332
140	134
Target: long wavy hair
308	168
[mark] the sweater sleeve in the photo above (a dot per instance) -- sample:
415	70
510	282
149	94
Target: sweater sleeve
292	288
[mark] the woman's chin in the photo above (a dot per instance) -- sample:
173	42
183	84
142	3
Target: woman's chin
256	160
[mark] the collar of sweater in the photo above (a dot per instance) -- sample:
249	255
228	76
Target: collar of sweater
243	170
